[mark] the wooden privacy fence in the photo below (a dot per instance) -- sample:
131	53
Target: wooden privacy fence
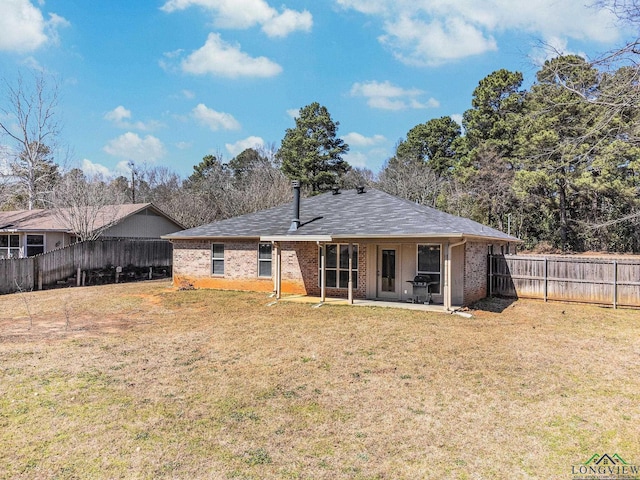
48	268
596	280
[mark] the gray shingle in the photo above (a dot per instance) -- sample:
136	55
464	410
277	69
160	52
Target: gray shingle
373	213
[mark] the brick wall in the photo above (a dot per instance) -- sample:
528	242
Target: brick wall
192	265
475	271
300	273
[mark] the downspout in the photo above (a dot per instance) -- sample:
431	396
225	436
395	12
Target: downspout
278	272
350	282
448	286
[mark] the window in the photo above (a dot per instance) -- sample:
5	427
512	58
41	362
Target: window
429	264
35	245
217	259
9	246
264	260
337	266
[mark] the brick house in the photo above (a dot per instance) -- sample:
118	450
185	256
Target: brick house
360	243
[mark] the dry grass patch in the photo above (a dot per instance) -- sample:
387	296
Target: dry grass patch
143	381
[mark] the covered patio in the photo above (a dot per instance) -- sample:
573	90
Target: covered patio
378	272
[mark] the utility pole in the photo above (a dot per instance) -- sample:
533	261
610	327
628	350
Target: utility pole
132	166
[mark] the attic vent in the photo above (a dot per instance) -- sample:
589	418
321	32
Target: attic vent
360	190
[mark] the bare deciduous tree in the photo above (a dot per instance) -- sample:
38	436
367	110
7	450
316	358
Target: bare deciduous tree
29	123
87	206
411	179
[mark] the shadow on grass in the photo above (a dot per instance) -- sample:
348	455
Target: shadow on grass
494	304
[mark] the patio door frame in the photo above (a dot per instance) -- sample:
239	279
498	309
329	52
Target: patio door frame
388	294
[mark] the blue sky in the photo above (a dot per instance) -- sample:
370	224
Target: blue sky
166	82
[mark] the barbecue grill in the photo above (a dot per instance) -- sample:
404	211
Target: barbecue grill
422	289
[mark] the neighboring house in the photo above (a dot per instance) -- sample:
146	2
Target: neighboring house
24	233
379	241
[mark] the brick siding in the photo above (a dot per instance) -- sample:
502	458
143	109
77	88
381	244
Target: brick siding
192	265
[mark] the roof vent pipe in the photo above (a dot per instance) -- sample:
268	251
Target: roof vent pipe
295	223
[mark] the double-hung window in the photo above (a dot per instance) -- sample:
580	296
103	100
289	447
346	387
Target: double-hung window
217	259
264	260
429	264
337	265
9	246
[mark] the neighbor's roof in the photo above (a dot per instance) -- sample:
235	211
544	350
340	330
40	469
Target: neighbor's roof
40	220
349	214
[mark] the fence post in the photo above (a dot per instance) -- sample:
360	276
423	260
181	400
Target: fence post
37	273
546	279
615	284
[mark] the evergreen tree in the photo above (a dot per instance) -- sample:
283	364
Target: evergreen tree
312	152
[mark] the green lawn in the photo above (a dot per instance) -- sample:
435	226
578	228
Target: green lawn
143	381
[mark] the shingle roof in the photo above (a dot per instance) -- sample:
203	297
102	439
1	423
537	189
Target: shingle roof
347	214
47	220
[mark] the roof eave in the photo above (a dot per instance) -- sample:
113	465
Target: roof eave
330	238
296	238
209	237
494	238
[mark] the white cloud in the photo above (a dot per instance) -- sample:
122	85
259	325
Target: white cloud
4	160
289	21
119	116
356	159
95	169
24	28
241	145
219	58
123	168
242	14
365	151
431	32
214	120
293	113
132	147
387	96
418	43
358	140
457	117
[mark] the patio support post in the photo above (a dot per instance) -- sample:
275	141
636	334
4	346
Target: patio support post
323	272
448	292
350	276
278	276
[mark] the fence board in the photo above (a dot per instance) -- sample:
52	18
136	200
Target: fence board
93	255
567	278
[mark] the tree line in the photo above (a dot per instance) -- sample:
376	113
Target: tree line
556	164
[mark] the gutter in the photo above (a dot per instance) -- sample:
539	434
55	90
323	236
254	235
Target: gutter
297	238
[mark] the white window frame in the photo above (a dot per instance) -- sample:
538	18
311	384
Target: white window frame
430	273
5	252
217	260
262	261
